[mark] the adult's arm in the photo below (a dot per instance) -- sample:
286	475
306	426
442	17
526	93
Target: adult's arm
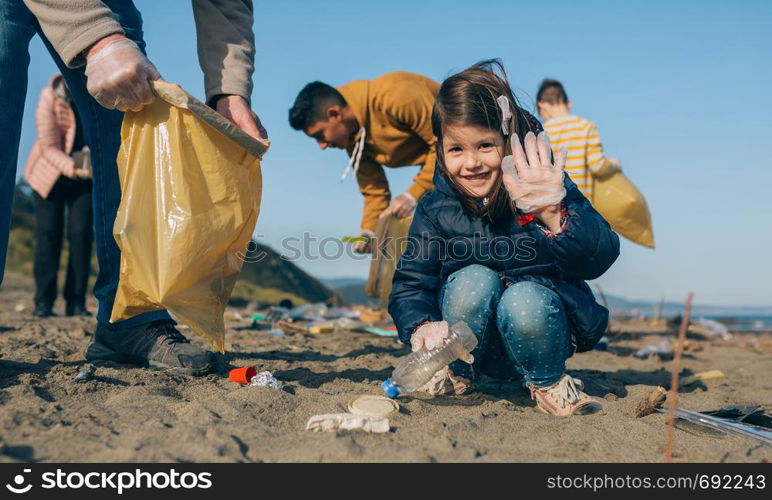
226	46
411	106
74	26
375	189
413	300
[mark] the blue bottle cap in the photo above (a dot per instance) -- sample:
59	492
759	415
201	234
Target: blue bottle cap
390	389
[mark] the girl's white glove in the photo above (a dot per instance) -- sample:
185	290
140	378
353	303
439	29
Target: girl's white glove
432	335
119	76
531	180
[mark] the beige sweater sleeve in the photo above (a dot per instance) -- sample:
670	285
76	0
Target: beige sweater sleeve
226	46
74	25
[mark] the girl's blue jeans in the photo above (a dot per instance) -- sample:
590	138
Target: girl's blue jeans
521	329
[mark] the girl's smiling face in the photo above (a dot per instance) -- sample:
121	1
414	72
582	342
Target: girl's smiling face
473	157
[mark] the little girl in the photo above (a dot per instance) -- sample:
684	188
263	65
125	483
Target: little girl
504	243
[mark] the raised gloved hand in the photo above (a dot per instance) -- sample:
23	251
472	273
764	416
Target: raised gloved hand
401	206
531	180
119	75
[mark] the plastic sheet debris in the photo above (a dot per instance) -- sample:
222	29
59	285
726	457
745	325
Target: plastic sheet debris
190	195
702	377
266	379
727	426
87	373
347	421
738	413
712	328
661	349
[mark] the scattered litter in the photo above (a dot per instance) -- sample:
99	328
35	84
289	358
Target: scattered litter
702	377
86	373
309	312
379	331
258	317
372	314
652	401
373	406
277	313
713	328
321	329
19	308
266	379
661	349
738	413
277	332
242	375
347	421
723	425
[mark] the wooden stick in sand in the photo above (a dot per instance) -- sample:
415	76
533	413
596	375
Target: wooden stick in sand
674	379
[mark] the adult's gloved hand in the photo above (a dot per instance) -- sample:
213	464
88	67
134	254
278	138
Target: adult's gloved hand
366	245
236	109
531	180
432	335
119	75
401	206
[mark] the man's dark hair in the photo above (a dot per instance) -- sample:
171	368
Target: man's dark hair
551	91
311	103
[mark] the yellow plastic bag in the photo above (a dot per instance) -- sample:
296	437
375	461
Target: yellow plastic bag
624	207
191	187
390	243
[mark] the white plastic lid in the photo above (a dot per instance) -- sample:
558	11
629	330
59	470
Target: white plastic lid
373	406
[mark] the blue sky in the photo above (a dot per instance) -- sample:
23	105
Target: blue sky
679	91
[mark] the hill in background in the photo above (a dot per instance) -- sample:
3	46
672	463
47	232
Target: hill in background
267	280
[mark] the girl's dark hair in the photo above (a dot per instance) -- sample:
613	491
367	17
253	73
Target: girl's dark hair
470	98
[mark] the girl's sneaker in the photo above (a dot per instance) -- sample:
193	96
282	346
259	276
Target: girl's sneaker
564	398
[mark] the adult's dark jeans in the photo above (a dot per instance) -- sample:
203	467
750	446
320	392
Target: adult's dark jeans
69	200
102	130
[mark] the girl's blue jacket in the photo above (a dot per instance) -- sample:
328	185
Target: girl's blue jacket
445	237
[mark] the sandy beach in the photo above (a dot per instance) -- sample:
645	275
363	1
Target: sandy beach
128	414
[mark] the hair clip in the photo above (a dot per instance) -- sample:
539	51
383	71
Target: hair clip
506	113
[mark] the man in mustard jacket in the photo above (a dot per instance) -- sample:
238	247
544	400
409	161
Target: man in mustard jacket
381	122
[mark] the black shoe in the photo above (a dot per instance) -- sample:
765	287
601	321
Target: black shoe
43	312
157	344
78	310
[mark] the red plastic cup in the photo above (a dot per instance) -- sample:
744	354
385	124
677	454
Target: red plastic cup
242	375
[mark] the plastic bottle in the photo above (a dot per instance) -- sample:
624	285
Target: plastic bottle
417	368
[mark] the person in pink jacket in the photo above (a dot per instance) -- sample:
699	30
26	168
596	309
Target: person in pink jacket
59	173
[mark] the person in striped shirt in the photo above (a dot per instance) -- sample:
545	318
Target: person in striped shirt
578	136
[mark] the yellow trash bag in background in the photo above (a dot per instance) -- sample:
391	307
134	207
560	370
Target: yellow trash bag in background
191	187
390	243
624	207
